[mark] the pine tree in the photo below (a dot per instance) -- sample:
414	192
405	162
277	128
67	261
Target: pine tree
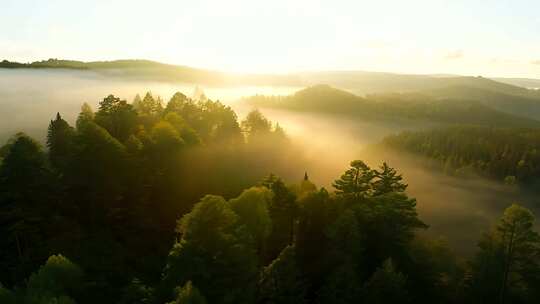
60	139
386	285
387	180
85	116
507	265
283	211
281	281
188	294
356	181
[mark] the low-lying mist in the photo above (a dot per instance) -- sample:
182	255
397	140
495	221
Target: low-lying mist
30	98
455	208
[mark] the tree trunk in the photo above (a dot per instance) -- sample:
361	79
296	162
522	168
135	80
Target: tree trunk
507	266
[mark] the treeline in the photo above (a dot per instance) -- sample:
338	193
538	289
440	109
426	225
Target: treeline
301	244
128	69
523	102
405	108
107	192
507	154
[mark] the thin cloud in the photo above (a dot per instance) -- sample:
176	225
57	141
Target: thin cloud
457	54
536	62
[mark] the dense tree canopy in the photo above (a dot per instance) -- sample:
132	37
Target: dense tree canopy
507	154
149	203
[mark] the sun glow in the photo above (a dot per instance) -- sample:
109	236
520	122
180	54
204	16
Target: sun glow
282	36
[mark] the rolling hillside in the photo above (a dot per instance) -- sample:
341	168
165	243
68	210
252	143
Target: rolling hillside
406	107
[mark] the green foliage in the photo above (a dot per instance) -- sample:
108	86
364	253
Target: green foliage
189	135
23	165
213	230
252	209
510	155
166	138
60	138
346	238
342	286
256	124
149	106
281	281
149	109
387	181
386	285
507	267
110	192
283	211
404	108
117	117
311	241
356	181
382	211
85	116
188	294
258	129
137	293
55	282
25	192
6	296
58	276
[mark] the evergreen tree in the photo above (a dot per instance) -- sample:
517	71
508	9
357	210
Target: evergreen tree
136	102
387	180
281	281
306	186
283	211
356	181
137	293
507	267
27	199
7	296
342	286
311	241
55	282
209	231
256	125
117	117
252	208
386	286
60	138
176	103
85	116
188	294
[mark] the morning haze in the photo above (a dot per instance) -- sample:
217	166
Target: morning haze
251	152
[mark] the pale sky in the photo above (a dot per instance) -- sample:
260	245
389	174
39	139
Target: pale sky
469	37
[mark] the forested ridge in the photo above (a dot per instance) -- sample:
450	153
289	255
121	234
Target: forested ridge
504	90
143	202
403	108
507	154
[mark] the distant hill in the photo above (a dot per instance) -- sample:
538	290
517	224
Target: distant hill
137	69
156	71
359	82
375	82
507	154
395	107
529	83
519	104
504	96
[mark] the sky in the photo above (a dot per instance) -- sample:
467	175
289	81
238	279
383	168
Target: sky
481	37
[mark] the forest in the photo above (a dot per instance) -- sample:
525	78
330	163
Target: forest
409	108
506	154
147	202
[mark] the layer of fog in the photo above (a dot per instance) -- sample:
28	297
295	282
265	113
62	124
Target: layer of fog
30	98
457	209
